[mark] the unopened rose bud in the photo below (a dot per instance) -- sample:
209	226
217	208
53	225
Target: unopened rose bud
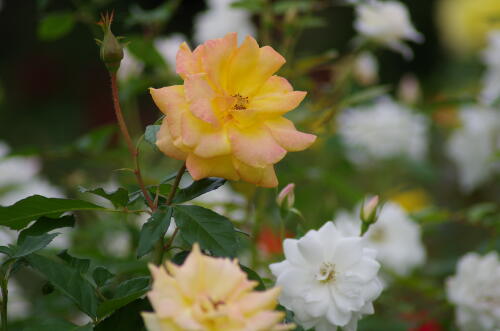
366	69
111	50
286	198
369	213
409	89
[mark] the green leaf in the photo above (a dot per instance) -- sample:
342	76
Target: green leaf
154	229
144	50
198	188
127	318
23	212
125	293
212	231
101	276
150	134
55	26
119	197
81	265
6	250
180	257
46	224
31	244
252	275
67	280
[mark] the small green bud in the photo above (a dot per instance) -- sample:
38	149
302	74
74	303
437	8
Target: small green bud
111	50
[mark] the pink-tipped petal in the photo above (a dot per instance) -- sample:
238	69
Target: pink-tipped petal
172	102
285	133
255	146
166	145
216	57
200	96
187	62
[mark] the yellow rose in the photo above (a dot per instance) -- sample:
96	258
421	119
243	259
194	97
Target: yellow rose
465	24
210	294
227	119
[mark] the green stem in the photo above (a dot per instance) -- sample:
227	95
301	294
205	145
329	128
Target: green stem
5	296
134	152
160	249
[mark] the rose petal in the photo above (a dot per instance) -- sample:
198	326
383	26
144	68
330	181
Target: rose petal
216	58
265	177
243	64
221	166
255	147
187	62
276	103
172	102
200	96
285	133
165	144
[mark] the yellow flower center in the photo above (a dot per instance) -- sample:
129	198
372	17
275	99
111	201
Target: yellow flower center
241	102
326	273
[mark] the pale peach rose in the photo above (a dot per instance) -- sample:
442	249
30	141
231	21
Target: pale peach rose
210	294
227	119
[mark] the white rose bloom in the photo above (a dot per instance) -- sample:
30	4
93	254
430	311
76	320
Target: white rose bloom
129	67
383	130
473	146
387	23
366	68
168	47
491	78
328	279
395	237
475	291
221	19
34	186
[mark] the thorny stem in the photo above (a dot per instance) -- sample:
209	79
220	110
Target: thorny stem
160	249
134	152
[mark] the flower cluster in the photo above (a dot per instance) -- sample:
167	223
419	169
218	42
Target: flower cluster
473	146
209	294
220	19
328	279
381	131
395	237
227	119
475	290
386	23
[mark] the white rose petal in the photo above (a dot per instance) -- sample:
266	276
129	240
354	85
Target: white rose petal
327	279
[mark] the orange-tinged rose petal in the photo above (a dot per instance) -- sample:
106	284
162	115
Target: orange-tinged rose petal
172	102
269	62
276	103
285	133
265	177
216	56
255	146
200	96
166	145
242	65
187	62
221	166
213	144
